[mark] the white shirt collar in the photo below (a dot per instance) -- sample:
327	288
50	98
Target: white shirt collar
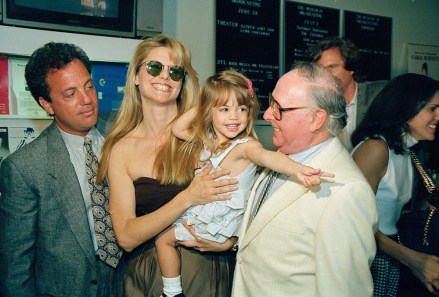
308	154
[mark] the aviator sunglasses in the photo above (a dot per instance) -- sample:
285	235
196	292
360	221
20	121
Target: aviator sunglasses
154	68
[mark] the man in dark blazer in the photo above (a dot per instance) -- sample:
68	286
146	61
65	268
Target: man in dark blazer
342	58
47	241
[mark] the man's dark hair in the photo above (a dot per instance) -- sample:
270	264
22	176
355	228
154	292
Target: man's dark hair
51	56
348	50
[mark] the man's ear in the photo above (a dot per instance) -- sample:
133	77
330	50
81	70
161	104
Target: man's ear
318	119
46	105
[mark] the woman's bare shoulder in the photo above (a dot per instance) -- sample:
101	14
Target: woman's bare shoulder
373	149
372	157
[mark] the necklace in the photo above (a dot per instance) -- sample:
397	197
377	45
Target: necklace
432	197
426	179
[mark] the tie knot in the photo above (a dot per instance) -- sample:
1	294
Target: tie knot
87	143
87	140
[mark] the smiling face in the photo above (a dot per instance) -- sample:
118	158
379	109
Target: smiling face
74	103
423	125
229	120
160	89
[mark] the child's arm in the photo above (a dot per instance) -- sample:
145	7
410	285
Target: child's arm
182	126
280	162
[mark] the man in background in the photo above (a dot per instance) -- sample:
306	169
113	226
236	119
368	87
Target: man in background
48	244
342	58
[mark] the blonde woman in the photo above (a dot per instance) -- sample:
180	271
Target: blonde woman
150	184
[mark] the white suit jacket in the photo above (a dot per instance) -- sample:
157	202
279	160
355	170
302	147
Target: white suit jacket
316	242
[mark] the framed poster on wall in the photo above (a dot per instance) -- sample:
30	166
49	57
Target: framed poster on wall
109	80
4	143
373	36
423	59
21	101
306	25
247	40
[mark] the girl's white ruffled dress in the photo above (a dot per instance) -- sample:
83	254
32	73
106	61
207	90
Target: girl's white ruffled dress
219	220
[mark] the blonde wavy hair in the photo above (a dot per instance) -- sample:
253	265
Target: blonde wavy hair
130	114
216	92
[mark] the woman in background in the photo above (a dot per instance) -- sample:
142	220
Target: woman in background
404	112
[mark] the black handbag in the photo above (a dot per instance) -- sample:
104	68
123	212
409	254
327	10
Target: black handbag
419	231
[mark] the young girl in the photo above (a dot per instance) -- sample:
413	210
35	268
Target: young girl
220	131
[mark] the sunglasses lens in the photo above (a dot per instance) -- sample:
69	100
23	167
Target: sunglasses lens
176	73
154	68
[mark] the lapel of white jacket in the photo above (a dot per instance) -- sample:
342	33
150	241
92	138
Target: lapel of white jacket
279	200
289	192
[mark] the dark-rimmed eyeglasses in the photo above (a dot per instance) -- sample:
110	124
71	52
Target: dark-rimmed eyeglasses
154	68
277	111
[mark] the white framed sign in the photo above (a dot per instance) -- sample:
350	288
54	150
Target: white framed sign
423	59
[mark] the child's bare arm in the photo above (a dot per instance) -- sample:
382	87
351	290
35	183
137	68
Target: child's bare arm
279	162
182	126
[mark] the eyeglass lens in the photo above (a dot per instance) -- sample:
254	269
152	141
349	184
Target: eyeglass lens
275	109
154	68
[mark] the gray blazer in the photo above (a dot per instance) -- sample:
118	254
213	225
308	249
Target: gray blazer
366	93
45	243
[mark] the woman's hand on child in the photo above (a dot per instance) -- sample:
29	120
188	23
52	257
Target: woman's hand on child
204	188
204	245
311	177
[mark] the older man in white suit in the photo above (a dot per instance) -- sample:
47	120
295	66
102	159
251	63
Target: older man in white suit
308	242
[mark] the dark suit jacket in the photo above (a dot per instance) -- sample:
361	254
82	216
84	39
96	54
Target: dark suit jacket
45	244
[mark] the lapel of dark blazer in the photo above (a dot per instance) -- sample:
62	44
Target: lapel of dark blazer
67	191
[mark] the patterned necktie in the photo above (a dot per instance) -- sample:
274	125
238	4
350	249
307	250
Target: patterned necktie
264	194
108	250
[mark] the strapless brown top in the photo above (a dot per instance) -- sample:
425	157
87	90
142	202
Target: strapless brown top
150	195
